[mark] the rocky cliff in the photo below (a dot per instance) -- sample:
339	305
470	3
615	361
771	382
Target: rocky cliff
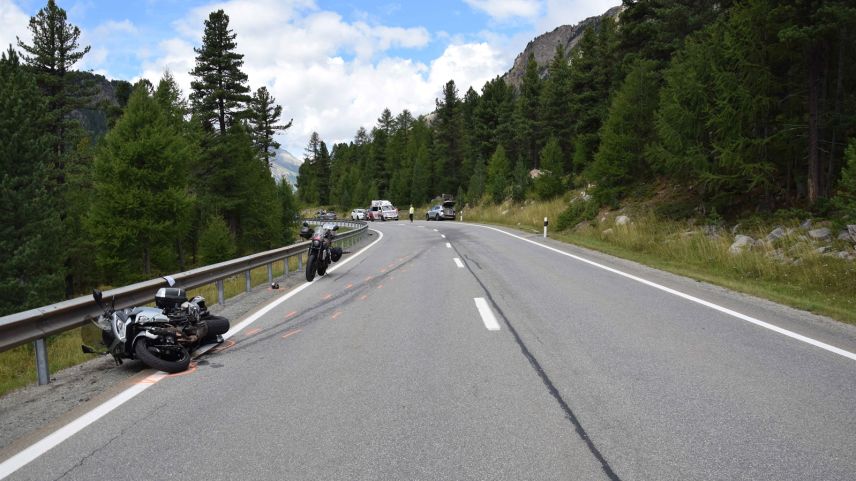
544	46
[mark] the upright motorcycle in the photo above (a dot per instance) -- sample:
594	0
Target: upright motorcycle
321	250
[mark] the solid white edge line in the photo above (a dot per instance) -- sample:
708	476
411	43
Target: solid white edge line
458	262
486	313
448	246
50	441
435	230
724	310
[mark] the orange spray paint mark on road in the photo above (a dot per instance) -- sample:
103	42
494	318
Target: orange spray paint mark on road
291	333
290	314
380	286
327	296
223	347
253	331
336	314
349	286
383	270
363	297
369	278
190	370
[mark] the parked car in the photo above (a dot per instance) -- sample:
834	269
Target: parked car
388	212
358	214
446	210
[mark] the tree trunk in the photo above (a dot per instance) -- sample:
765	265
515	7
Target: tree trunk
813	158
222	116
832	167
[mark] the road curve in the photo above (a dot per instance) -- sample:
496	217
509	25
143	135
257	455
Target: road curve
460	352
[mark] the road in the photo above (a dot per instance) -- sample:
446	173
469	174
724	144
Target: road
391	368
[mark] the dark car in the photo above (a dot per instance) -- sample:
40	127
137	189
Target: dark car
446	210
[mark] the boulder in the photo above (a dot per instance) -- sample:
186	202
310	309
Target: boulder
741	242
806	224
823	249
852	230
606	233
776	234
845	236
622	220
821	233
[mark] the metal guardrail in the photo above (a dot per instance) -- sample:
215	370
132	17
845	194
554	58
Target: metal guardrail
37	324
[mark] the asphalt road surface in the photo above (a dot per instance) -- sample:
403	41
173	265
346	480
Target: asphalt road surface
450	351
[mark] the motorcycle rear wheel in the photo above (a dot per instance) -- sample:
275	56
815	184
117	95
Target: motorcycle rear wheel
310	268
216	325
144	353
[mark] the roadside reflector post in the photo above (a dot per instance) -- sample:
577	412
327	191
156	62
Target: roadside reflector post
42	361
545	227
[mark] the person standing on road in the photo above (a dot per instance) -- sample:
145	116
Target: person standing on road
411	213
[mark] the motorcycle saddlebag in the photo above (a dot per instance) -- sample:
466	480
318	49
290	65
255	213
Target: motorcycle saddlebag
170	297
306	232
336	254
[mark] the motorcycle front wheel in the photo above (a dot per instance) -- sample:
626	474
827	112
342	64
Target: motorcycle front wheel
173	359
322	268
310	267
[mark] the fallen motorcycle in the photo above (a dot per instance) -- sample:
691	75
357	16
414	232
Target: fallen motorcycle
162	337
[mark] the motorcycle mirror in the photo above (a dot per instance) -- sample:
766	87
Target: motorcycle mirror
306	224
335	227
96	294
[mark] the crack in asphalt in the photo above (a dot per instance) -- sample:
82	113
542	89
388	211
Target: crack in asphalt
545	378
108	443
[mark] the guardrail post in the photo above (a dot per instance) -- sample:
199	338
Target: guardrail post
249	281
42	362
270	272
221	294
285	268
300	262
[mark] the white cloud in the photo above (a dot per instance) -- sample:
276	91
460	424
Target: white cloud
565	12
507	9
332	76
13	22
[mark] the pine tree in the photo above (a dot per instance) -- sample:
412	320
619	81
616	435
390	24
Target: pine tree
448	139
30	235
307	179
498	175
526	114
215	241
620	162
845	200
263	114
219	93
141	201
556	101
54	52
549	183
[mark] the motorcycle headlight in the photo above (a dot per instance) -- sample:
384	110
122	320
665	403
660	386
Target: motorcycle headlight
121	325
316	243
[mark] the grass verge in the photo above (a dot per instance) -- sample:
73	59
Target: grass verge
18	365
809	280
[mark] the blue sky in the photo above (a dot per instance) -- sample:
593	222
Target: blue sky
333	64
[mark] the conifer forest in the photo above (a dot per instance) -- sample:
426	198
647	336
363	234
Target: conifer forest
741	106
